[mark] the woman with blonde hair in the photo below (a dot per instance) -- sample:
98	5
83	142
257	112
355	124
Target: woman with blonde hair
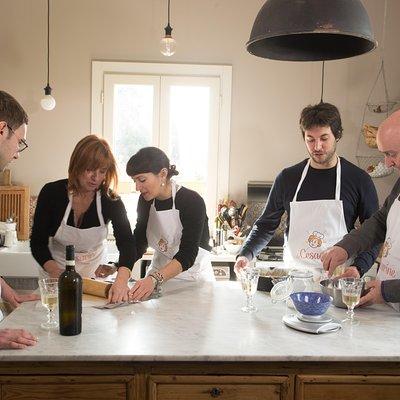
77	211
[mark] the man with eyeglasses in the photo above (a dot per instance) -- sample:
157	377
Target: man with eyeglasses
13	126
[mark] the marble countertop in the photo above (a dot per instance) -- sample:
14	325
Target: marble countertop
203	322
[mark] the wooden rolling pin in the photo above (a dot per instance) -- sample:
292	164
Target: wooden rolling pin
95	288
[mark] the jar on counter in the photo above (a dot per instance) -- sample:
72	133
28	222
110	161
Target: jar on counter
297	281
10	234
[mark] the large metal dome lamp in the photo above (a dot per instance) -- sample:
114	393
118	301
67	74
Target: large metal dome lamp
311	30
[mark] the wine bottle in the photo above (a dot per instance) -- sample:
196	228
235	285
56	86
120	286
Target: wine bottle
70	296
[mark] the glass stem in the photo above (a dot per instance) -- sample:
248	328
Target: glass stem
51	317
350	313
249	304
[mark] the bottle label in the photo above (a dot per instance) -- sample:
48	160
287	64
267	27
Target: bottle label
70	263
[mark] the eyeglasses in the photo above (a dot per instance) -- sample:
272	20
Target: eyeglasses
22	144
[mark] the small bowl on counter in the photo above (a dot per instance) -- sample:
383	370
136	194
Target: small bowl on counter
233	246
269	276
311	303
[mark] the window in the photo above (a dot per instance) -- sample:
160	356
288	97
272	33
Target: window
182	109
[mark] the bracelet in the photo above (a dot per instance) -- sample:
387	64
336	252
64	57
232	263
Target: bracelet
158	276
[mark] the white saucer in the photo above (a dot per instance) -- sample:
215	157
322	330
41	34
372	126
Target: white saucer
318	319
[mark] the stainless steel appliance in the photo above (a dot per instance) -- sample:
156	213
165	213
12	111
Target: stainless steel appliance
257	197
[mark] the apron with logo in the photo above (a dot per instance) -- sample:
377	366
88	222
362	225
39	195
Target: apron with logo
315	226
164	233
390	262
90	243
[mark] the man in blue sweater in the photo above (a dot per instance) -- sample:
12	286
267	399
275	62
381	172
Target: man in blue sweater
323	196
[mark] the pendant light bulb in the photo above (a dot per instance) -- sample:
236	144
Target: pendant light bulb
168	43
48	102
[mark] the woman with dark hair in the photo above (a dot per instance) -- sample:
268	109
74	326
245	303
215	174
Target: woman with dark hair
77	211
172	220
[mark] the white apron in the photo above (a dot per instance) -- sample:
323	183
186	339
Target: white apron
164	233
90	245
390	262
315	226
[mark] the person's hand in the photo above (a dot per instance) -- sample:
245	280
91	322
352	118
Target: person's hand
16	339
9	295
241	263
333	257
53	269
142	289
349	272
104	270
374	294
118	292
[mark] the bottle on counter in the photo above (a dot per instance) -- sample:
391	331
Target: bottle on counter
70	297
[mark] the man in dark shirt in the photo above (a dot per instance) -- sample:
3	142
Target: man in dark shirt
323	197
13	126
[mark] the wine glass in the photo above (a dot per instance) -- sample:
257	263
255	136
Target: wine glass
49	295
249	279
351	293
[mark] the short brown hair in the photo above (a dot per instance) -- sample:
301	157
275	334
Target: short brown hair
92	153
11	111
319	115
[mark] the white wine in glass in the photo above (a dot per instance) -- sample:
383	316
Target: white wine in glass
351	293
49	296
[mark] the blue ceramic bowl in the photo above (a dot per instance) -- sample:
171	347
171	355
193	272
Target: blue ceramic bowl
311	303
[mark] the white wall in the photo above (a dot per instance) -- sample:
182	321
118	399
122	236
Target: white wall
267	96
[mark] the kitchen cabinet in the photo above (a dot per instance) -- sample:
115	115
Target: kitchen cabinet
347	387
175	387
67	387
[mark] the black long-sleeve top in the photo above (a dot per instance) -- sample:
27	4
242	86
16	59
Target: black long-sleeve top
50	209
193	216
357	192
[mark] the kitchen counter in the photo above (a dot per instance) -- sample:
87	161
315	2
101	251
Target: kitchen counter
195	343
203	322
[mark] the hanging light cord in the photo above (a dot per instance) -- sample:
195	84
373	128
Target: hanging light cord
322	81
168	10
48	42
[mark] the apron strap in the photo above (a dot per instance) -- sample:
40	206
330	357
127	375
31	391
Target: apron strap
338	179
303	176
68	209
99	210
98	206
173	187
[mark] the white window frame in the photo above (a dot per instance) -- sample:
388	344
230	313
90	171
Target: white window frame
223	72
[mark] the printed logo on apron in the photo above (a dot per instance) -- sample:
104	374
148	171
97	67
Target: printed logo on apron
390	262
164	233
315	226
90	243
162	245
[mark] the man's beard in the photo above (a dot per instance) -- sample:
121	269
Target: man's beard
324	159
